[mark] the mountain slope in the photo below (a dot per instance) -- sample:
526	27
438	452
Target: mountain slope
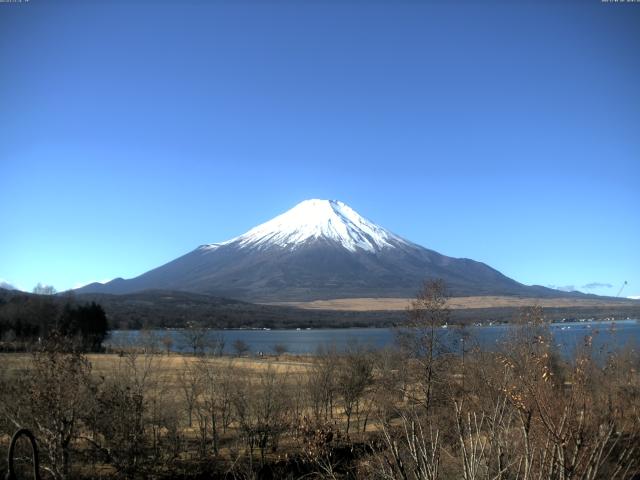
317	250
6	285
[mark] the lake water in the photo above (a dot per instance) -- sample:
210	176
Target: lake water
607	337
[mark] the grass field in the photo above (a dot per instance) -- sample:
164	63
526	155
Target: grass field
456	303
169	366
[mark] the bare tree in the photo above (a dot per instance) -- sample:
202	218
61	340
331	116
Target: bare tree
426	313
262	411
53	394
196	337
280	349
392	381
413	453
127	405
213	402
167	341
354	376
217	343
148	341
190	387
241	347
42	289
321	384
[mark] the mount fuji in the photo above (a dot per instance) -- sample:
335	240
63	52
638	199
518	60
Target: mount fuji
320	249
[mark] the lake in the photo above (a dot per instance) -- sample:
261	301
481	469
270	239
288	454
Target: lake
607	337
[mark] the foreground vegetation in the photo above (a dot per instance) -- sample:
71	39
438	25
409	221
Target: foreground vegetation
415	412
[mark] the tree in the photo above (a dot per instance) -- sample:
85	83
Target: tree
190	387
392	382
30	317
213	403
167	341
262	411
217	343
321	383
88	323
123	404
280	349
41	289
354	376
241	347
33	318
426	313
52	396
195	336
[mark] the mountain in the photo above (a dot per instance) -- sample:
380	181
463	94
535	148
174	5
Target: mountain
319	249
6	285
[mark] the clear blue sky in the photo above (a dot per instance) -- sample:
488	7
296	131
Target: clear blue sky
506	132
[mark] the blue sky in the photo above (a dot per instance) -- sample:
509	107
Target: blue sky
506	132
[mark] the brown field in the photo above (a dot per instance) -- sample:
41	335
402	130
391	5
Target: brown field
169	366
455	303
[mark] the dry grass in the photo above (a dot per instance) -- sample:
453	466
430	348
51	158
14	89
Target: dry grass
456	303
105	362
168	367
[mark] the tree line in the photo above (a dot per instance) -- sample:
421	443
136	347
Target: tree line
26	320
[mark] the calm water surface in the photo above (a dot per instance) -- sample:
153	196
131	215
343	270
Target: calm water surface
607	337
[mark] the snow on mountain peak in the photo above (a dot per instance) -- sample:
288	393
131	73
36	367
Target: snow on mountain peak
319	219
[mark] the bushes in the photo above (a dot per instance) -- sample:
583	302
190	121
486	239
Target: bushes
524	413
49	398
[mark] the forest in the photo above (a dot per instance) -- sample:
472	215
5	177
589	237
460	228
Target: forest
28	320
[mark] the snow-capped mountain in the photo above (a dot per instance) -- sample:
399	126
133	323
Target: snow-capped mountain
320	249
315	219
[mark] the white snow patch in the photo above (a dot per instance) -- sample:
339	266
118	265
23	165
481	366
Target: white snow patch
634	297
316	219
209	247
